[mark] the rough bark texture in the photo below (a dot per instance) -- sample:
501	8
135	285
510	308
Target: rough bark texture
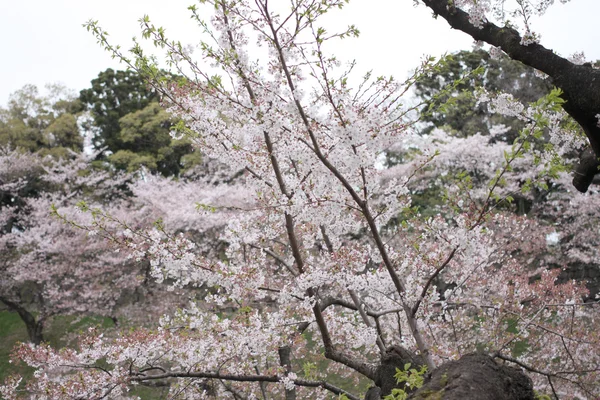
476	377
586	170
580	83
473	377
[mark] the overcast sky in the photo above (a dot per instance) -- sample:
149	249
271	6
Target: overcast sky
43	41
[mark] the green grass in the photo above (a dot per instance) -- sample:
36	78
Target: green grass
12	331
65	327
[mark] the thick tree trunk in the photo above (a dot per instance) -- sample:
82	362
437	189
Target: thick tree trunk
580	83
473	377
34	328
394	357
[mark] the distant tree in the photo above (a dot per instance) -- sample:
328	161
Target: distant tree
452	107
146	134
113	95
48	267
449	92
47	124
132	127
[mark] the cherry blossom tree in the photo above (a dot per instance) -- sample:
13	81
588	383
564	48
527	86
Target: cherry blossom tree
324	261
48	267
54	268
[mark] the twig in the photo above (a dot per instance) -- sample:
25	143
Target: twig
430	281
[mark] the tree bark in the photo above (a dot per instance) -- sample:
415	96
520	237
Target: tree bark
285	361
34	328
580	83
476	377
473	377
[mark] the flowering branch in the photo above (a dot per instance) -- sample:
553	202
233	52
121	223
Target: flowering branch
248	378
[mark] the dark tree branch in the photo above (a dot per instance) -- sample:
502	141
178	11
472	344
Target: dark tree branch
285	360
246	378
586	169
430	281
334	301
34	328
548	375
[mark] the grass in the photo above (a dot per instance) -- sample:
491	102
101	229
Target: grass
61	331
12	331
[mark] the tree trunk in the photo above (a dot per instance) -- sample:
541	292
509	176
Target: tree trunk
34	328
473	377
286	362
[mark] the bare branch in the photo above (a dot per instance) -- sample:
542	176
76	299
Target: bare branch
430	281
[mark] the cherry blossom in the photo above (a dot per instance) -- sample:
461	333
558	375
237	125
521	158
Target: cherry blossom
309	252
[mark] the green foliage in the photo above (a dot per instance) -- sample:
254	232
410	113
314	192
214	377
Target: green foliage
133	127
147	128
448	92
147	134
64	132
310	370
129	161
113	95
408	377
518	346
205	208
531	139
541	396
46	124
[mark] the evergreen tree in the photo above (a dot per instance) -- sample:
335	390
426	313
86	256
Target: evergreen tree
449	92
45	124
132	127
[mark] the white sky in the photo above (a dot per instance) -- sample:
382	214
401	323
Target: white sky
43	41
